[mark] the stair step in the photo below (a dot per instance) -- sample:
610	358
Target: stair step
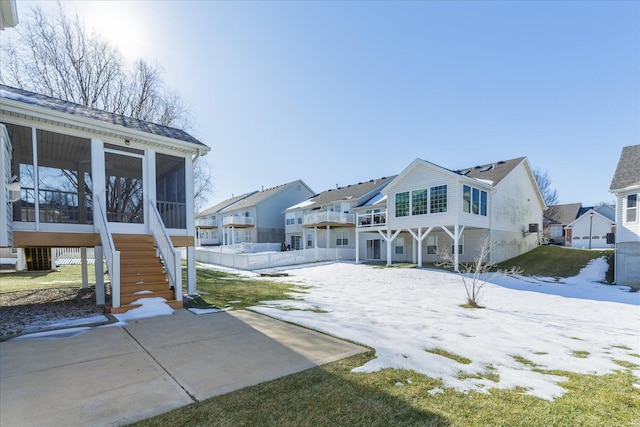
128	298
131	288
131	246
132	238
175	304
140	269
124	308
139	279
137	253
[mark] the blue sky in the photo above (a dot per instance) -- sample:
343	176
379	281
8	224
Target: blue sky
341	92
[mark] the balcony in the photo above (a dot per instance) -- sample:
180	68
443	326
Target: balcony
238	221
333	219
372	219
207	222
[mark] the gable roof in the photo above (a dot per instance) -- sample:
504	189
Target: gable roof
258	196
586	214
627	174
223	204
347	193
8	93
562	214
493	172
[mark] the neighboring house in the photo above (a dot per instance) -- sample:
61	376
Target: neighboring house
428	208
593	229
75	176
556	217
209	222
625	185
327	219
255	217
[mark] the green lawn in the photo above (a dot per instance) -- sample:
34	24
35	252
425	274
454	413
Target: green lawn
558	261
64	276
223	289
332	395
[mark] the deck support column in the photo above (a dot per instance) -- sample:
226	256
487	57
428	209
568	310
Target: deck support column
357	245
191	270
99	268
83	266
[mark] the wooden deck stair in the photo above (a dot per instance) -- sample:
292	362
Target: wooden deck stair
141	272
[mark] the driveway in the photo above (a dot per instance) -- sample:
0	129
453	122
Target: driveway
116	375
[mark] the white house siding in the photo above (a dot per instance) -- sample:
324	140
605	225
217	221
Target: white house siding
627	231
627	245
515	205
6	212
423	177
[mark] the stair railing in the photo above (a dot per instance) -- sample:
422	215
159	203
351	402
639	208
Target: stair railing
167	251
110	253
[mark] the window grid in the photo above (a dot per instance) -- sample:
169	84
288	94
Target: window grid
419	202
438	199
402	204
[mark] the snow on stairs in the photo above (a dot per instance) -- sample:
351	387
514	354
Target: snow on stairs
141	272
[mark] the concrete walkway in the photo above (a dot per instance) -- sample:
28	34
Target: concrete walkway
116	375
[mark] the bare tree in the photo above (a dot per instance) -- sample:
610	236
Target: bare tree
203	186
476	274
56	55
549	194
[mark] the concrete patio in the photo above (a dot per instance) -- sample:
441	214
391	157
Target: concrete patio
116	375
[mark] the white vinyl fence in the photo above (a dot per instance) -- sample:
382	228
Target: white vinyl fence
262	260
69	256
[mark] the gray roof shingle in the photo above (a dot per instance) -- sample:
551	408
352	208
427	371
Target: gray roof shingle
627	173
257	196
349	192
494	172
563	214
21	95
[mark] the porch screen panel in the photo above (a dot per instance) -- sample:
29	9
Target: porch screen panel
24	210
124	191
171	190
64	178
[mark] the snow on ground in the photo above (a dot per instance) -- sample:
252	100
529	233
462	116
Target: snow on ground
403	313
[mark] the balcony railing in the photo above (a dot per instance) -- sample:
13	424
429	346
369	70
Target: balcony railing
55	206
238	221
173	214
207	222
329	218
372	219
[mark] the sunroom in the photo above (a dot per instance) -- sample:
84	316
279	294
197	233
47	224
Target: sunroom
86	178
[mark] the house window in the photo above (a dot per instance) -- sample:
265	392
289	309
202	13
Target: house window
466	199
460	245
342	238
419	202
438	199
295	242
309	240
402	204
248	236
632	208
432	244
399	245
299	215
290	218
474	201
